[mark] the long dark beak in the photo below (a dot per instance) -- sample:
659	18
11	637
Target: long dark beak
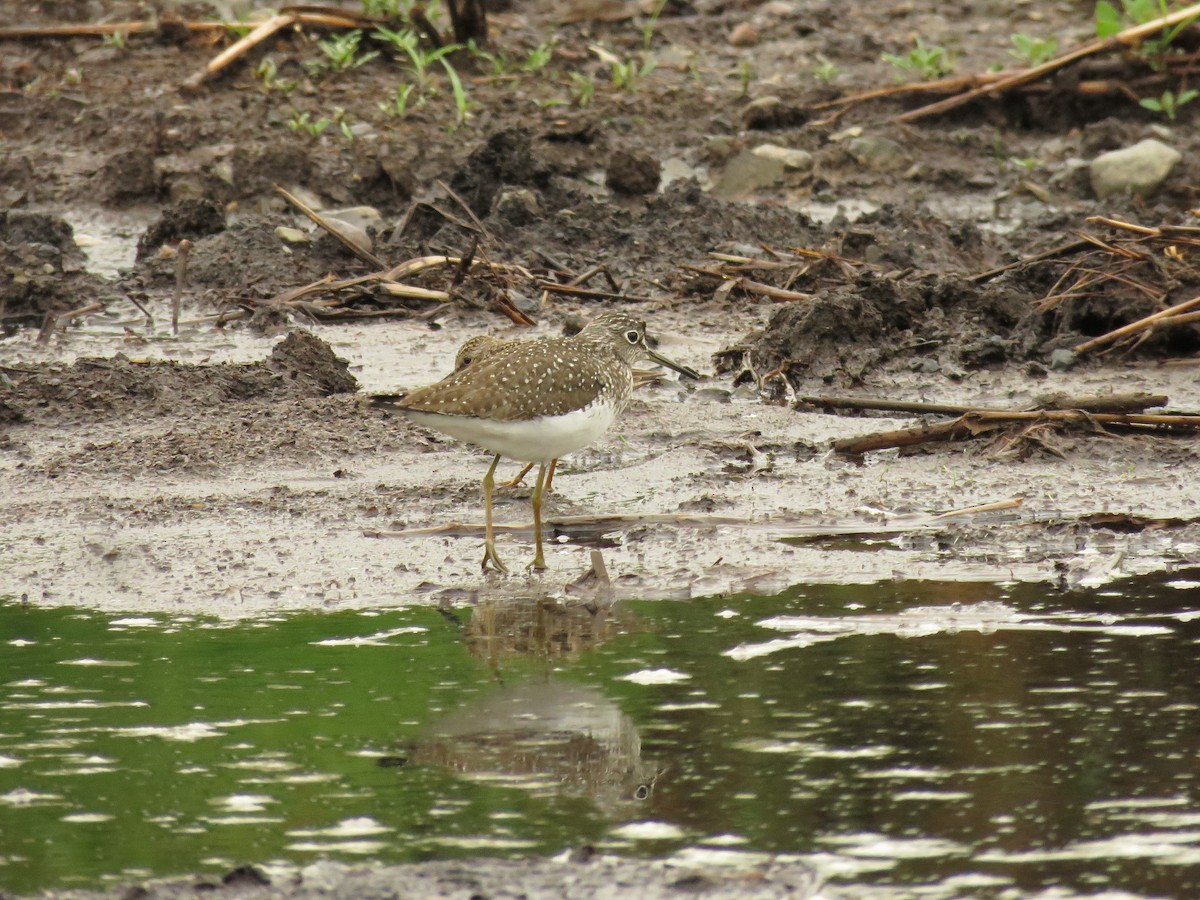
685	371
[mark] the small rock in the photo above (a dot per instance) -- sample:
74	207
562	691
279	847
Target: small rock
363	217
720	147
846	134
223	169
745	174
799	160
350	233
779	9
880	154
291	235
633	172
1062	359
762	105
187	187
517	206
531	306
1139	169
744	35
309	198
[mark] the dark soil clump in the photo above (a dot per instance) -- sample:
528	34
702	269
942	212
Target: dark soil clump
301	366
41	269
631	173
947	323
188	219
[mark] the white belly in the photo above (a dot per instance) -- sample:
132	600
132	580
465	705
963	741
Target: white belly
530	440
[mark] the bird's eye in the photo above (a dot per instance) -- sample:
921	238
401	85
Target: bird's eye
633	337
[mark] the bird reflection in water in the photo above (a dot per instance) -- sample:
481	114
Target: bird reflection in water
545	736
550	738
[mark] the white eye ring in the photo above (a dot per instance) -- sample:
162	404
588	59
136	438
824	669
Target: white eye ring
633	337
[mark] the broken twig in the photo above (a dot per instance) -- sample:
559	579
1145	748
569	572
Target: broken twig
181	260
1140	325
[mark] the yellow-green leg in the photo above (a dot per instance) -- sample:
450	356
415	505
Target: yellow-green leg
489	541
539	561
525	471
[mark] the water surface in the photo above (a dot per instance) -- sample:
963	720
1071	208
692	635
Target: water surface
960	740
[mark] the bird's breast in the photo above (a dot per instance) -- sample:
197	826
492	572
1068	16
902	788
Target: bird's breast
536	439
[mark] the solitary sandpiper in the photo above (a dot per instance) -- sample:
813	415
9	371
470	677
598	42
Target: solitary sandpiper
484	345
534	401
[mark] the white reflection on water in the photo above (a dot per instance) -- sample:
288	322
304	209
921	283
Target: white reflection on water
923	621
882	846
25	797
648	831
1164	847
655	676
358	826
379	639
243	802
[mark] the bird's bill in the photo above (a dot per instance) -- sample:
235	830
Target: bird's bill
685	371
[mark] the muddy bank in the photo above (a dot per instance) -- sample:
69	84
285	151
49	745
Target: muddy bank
264	490
579	874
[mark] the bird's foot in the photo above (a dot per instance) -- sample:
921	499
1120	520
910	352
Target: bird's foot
520	479
489	556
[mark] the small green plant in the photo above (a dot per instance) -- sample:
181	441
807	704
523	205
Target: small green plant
539	57
243	26
387	9
627	74
1169	102
418	58
419	61
117	40
397	104
825	71
652	24
1110	21
343	123
304	122
498	63
462	105
1033	51
341	53
582	89
268	72
745	74
930	62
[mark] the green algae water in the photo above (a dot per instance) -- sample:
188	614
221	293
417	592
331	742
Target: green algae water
954	739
